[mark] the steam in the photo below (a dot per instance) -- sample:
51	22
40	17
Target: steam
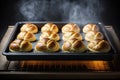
82	11
33	9
86	11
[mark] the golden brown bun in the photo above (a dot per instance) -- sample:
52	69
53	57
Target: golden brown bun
29	27
26	36
71	35
73	45
70	27
90	27
50	35
50	27
47	45
92	35
99	46
20	45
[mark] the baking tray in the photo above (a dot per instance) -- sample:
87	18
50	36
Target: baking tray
57	55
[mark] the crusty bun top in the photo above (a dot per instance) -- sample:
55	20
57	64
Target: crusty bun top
29	27
70	27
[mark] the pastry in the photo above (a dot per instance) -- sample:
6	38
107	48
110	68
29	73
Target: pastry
29	27
26	36
73	45
71	35
50	35
20	45
47	45
70	27
92	35
50	27
99	46
90	27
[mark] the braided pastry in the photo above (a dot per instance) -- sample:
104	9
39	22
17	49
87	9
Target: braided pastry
50	35
47	45
71	35
99	46
91	35
20	45
50	27
70	27
73	45
29	27
90	27
26	36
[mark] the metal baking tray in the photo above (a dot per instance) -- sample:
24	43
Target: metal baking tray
87	55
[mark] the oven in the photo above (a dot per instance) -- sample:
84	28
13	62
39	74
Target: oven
60	69
60	10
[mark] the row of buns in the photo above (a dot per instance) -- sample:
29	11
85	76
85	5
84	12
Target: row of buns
72	39
49	38
95	38
24	39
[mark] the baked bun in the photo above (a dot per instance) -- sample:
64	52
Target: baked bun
47	45
73	45
50	27
92	35
50	35
70	27
90	27
29	27
20	45
71	35
99	46
26	36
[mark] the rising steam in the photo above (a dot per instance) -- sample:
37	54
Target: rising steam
82	11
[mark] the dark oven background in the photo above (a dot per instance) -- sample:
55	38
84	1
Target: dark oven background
83	11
